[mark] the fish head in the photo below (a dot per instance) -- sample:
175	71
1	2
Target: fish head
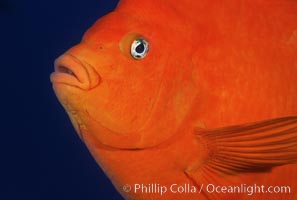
127	82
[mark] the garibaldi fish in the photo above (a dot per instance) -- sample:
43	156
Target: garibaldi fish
195	97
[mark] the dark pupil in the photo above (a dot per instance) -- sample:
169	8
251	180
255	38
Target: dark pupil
140	48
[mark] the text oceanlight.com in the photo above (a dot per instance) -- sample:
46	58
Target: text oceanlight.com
156	188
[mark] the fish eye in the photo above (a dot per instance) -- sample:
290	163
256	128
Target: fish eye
139	48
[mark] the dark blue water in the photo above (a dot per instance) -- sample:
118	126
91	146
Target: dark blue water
41	155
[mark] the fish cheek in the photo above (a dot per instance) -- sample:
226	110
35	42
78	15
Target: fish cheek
124	104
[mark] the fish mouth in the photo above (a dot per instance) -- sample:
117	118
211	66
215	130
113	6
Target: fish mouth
71	71
66	70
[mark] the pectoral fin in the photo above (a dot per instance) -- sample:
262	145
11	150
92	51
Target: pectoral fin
254	147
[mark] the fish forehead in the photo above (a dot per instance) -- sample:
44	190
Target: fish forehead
124	20
110	30
114	26
151	14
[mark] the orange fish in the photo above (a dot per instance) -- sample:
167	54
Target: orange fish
191	100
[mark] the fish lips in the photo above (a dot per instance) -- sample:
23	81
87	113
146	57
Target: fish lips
71	71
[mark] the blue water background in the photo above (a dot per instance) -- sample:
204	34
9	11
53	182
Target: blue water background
41	155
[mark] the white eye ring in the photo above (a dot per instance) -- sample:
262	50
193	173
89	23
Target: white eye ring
139	48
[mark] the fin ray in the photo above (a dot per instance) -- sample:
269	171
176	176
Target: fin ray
253	147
